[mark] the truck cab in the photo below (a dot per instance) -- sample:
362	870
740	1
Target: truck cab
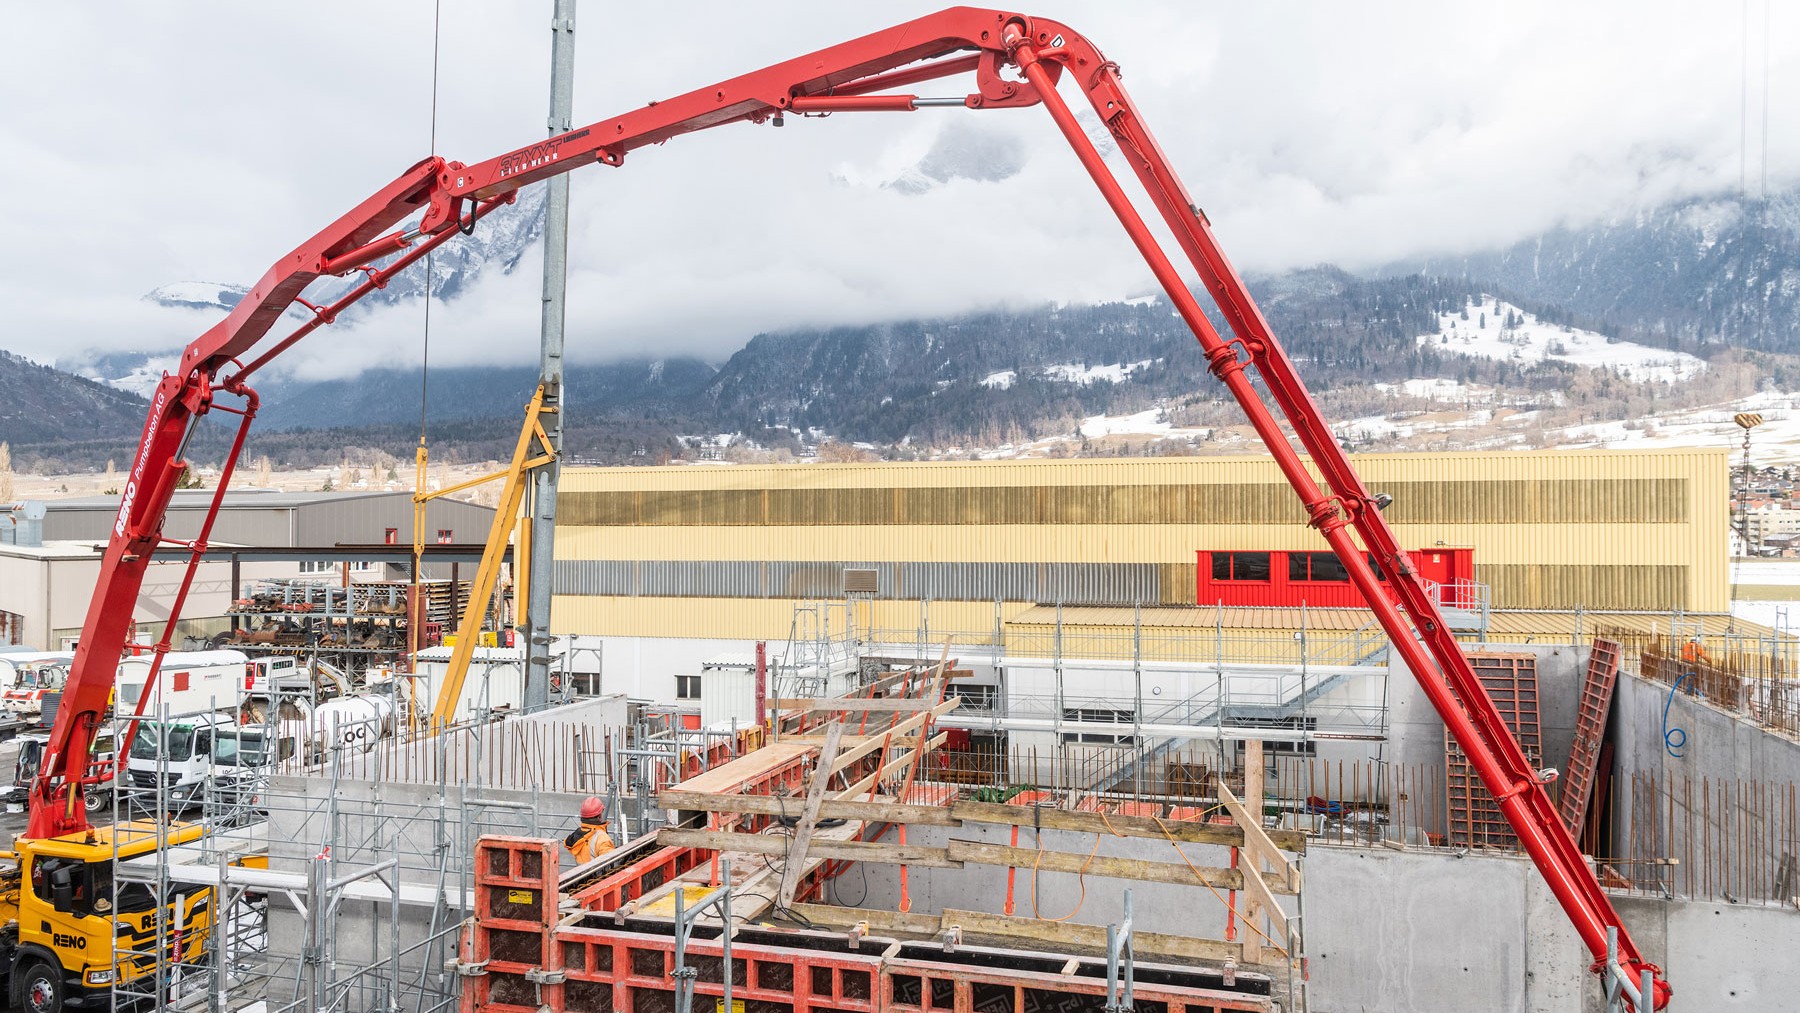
181	749
102	767
244	755
31	681
77	932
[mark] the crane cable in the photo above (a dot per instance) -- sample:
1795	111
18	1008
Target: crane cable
437	10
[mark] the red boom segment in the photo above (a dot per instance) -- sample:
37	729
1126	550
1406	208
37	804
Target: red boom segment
841	79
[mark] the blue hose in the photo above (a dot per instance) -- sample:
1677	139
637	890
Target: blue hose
1674	738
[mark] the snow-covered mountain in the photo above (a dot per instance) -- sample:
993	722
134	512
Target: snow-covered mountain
496	246
1477	353
197	295
1718	270
962	150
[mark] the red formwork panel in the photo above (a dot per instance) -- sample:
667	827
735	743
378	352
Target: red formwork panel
623	971
638	878
509	942
1472	817
1590	729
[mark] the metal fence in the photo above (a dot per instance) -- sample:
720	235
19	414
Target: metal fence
1752	677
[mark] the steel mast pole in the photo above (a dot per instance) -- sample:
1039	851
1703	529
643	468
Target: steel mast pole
541	563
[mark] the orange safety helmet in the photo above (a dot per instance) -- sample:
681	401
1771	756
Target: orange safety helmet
592	808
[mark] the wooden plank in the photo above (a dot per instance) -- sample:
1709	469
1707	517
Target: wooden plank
1091	937
733	774
777	844
788	806
834	917
1097	865
873	742
843	806
1258	844
1262	893
935	692
875	777
809	814
1128	826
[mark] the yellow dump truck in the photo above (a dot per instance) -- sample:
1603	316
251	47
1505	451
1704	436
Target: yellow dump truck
68	934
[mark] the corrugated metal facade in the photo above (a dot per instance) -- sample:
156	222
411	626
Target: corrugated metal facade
1550	529
280	520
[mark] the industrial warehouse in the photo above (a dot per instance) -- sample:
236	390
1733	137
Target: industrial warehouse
1244	715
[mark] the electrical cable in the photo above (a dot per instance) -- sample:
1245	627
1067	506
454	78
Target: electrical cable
1673	738
1037	836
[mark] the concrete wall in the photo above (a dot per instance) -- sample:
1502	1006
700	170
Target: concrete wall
1156	907
1719	744
368	822
429	829
1424	932
1416	732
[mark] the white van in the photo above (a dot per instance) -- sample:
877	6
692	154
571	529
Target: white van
189	682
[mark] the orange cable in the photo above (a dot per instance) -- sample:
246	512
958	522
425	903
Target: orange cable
1215	890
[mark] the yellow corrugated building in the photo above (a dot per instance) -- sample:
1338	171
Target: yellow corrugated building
725	552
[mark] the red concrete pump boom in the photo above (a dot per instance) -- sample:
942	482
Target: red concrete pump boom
1017	61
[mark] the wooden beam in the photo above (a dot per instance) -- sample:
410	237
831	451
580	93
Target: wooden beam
1048	935
777	844
789	806
1128	826
809	813
912	724
1258	844
958	813
1250	818
1096	865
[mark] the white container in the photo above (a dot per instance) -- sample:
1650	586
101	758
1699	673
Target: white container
728	694
495	681
189	682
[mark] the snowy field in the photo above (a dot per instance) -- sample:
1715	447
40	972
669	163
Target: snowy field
1481	330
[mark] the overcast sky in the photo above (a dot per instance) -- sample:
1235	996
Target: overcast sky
142	144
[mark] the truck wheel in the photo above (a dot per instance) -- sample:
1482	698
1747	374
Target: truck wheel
41	989
96	801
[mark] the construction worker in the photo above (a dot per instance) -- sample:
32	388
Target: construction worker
589	840
1694	653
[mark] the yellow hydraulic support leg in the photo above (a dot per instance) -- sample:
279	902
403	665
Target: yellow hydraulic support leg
532	439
